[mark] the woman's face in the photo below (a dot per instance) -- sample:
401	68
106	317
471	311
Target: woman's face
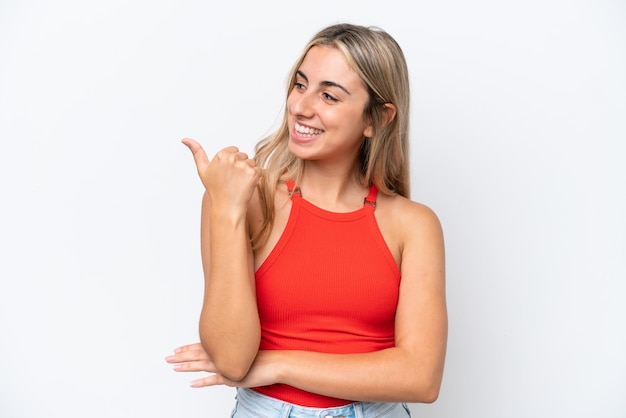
326	108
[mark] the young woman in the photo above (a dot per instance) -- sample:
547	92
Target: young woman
324	284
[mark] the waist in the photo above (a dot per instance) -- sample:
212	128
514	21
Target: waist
254	401
295	396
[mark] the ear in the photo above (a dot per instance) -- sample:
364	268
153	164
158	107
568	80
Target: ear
368	132
389	113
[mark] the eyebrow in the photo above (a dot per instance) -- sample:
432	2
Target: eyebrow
324	83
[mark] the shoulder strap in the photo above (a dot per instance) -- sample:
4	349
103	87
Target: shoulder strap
291	187
371	197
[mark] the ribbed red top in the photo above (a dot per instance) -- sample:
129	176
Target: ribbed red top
329	285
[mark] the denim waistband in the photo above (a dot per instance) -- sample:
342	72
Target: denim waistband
251	403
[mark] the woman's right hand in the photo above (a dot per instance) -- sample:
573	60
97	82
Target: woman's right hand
193	358
229	178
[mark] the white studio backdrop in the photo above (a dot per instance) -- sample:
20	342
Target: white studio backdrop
517	143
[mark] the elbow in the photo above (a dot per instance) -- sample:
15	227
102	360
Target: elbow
425	390
430	395
234	371
233	366
425	395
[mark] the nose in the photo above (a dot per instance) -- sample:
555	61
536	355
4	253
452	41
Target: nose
301	103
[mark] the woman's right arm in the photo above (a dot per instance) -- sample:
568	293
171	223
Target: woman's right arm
229	320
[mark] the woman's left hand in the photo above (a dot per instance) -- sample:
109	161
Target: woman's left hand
193	358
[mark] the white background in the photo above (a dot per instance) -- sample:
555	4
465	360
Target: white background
518	131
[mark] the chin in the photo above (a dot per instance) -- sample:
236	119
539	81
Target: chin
297	150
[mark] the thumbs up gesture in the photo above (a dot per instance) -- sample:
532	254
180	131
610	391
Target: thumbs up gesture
230	178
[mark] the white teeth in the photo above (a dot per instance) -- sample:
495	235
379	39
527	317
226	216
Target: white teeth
305	130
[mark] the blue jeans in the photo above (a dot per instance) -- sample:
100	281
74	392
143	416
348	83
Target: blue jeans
251	404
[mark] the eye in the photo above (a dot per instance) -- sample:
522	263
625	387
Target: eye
329	97
299	86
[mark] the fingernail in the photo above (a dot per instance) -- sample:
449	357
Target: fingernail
177	367
169	358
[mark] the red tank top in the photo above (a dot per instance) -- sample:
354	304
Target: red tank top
329	285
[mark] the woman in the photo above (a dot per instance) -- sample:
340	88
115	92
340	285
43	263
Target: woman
324	284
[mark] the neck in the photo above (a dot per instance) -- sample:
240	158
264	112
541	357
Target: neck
338	189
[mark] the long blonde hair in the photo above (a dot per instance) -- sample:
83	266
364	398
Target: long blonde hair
383	159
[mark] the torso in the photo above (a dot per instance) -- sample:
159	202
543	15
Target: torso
387	216
325	281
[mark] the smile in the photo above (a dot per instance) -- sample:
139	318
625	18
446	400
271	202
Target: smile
306	131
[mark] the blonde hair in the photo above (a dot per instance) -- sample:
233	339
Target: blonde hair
383	159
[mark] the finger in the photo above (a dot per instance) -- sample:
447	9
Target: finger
186	353
212	380
231	154
199	155
250	162
231	149
187	347
188	356
253	171
226	153
196	366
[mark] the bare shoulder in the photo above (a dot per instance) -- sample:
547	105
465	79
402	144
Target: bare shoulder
407	226
406	207
407	217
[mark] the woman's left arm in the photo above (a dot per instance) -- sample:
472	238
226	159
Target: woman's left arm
411	371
